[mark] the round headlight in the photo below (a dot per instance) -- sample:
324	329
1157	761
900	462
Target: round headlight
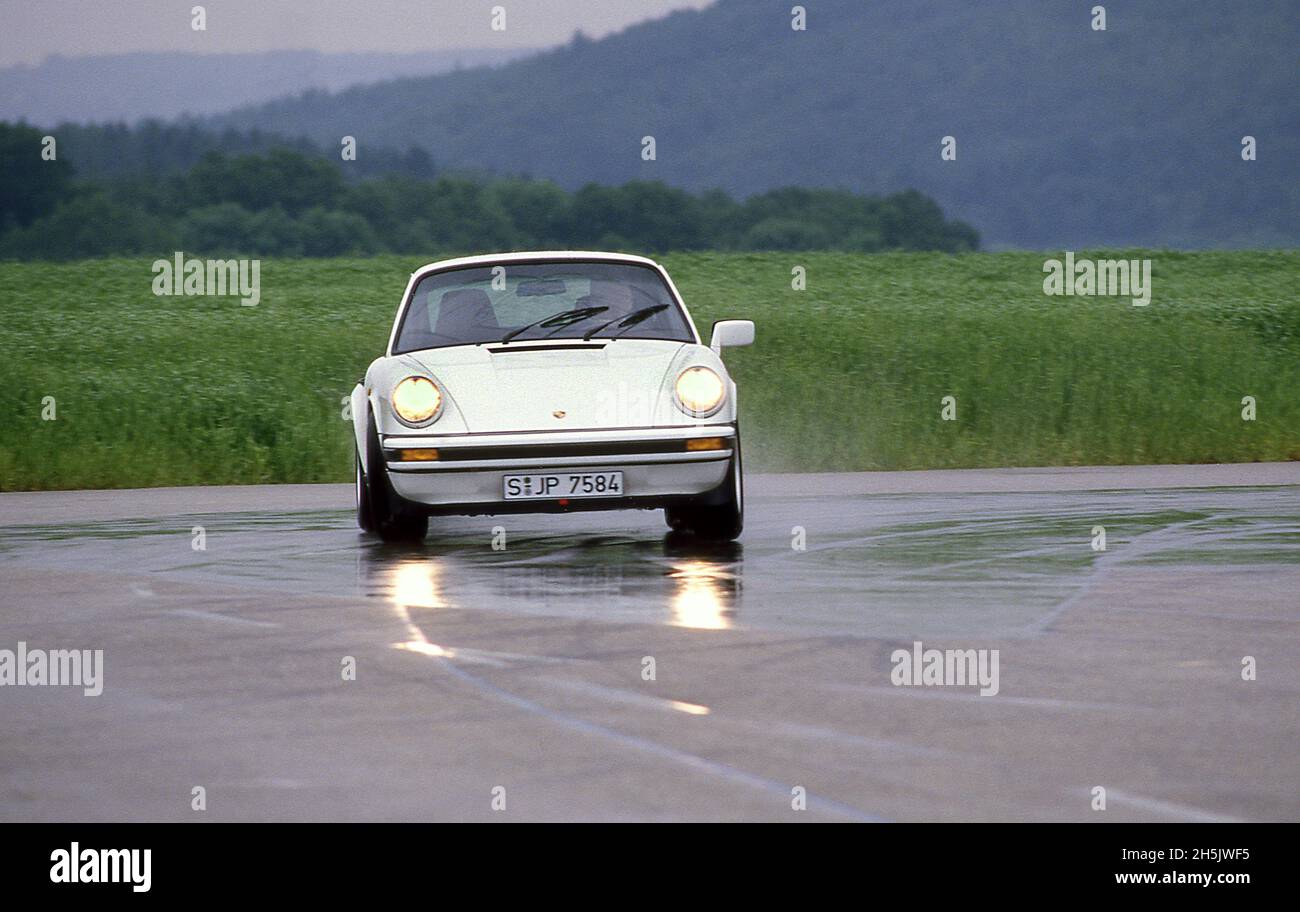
416	400
699	391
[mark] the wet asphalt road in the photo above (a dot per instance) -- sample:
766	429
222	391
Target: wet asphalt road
521	668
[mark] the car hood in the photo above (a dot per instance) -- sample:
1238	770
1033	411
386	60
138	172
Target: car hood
527	386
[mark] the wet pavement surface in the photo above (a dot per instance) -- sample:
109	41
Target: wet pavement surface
511	652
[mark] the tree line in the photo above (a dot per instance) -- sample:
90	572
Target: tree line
287	201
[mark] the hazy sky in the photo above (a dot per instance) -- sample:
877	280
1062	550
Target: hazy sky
34	29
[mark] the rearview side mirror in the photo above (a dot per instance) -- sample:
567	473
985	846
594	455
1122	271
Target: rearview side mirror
730	333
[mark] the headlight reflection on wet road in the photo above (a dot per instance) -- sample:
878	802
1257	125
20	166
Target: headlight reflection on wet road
705	591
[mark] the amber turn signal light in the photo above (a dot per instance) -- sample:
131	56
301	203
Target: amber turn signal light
429	455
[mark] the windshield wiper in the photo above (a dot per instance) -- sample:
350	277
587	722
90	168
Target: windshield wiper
632	319
558	320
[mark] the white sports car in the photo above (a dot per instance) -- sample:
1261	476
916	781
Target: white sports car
548	382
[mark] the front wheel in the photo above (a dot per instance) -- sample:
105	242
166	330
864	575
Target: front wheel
379	505
365	521
721	516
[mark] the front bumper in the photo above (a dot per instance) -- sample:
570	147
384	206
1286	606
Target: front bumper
659	466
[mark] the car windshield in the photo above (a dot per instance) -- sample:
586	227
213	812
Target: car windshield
528	301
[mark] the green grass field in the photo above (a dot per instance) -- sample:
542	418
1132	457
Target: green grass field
848	374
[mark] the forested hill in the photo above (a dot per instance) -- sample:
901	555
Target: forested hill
1066	136
136	85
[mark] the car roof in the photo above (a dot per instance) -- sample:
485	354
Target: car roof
560	255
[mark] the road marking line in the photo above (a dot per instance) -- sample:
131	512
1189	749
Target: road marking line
786	729
1169	809
777	790
1038	702
1142	545
199	615
627	696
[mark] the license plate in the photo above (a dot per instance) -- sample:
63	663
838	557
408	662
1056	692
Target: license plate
553	486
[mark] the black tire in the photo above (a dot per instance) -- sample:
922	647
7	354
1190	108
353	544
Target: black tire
389	518
365	521
721	515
